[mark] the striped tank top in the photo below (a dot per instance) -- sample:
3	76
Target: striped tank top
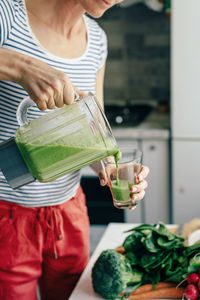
16	35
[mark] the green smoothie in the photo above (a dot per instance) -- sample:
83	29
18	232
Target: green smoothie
121	190
48	162
63	141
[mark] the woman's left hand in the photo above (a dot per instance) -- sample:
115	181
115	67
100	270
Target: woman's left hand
137	189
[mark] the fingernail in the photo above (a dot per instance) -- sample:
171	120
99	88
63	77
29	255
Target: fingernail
140	178
131	208
134	197
133	189
102	181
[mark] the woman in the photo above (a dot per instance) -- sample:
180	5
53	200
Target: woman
48	49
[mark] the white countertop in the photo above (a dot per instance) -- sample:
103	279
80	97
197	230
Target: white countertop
143	132
112	238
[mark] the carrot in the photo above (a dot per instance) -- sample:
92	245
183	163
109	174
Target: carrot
120	249
150	287
161	293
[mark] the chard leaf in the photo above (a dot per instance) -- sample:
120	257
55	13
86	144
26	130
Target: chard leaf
194	264
142	227
164	243
149	243
133	242
148	259
132	257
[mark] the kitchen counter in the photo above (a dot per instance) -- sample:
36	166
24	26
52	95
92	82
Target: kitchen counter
112	238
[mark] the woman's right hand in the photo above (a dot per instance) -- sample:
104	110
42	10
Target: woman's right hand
46	86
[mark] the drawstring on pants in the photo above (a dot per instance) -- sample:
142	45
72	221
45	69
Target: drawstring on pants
12	211
52	218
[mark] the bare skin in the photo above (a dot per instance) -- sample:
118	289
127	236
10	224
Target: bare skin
59	27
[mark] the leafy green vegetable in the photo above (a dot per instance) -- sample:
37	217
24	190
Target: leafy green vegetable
152	254
112	273
159	254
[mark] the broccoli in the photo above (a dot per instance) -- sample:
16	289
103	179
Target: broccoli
112	273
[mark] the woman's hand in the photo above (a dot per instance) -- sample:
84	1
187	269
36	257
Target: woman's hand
137	189
46	86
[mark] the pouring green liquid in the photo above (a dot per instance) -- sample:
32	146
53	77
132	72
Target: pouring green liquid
66	139
121	190
48	162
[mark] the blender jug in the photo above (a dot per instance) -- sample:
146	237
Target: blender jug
64	140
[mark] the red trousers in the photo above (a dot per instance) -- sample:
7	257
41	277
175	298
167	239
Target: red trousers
46	247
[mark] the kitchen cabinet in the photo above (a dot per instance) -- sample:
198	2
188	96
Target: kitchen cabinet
185	189
156	204
185	105
156	201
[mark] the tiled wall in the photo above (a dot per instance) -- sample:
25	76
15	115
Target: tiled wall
138	64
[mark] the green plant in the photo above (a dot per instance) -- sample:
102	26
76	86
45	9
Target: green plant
112	273
161	255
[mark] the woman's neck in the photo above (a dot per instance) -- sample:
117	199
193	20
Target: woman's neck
59	26
62	16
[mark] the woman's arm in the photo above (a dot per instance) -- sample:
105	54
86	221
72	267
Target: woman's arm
45	85
96	167
99	86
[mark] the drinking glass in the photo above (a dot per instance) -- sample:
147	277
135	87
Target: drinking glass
121	178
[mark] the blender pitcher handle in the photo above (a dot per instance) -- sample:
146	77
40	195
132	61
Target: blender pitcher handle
21	112
27	102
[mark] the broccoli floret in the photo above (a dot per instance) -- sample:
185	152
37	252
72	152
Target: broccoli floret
112	273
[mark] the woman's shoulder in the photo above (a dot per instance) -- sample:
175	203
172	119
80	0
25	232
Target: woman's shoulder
12	3
94	26
97	40
12	6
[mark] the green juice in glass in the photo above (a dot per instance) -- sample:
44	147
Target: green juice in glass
122	182
121	190
121	193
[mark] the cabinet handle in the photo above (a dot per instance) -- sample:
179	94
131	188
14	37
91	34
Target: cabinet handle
152	147
181	190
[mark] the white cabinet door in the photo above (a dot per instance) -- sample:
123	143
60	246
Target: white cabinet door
156	202
186	180
136	215
185	70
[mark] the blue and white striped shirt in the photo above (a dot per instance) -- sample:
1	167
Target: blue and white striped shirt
16	34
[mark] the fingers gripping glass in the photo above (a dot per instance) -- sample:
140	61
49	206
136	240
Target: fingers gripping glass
123	177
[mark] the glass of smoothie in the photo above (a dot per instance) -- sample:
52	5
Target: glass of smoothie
122	176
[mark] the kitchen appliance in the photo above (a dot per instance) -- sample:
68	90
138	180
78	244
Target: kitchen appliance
129	115
185	109
62	141
152	4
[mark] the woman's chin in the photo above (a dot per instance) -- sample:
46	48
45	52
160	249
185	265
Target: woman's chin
98	8
96	14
